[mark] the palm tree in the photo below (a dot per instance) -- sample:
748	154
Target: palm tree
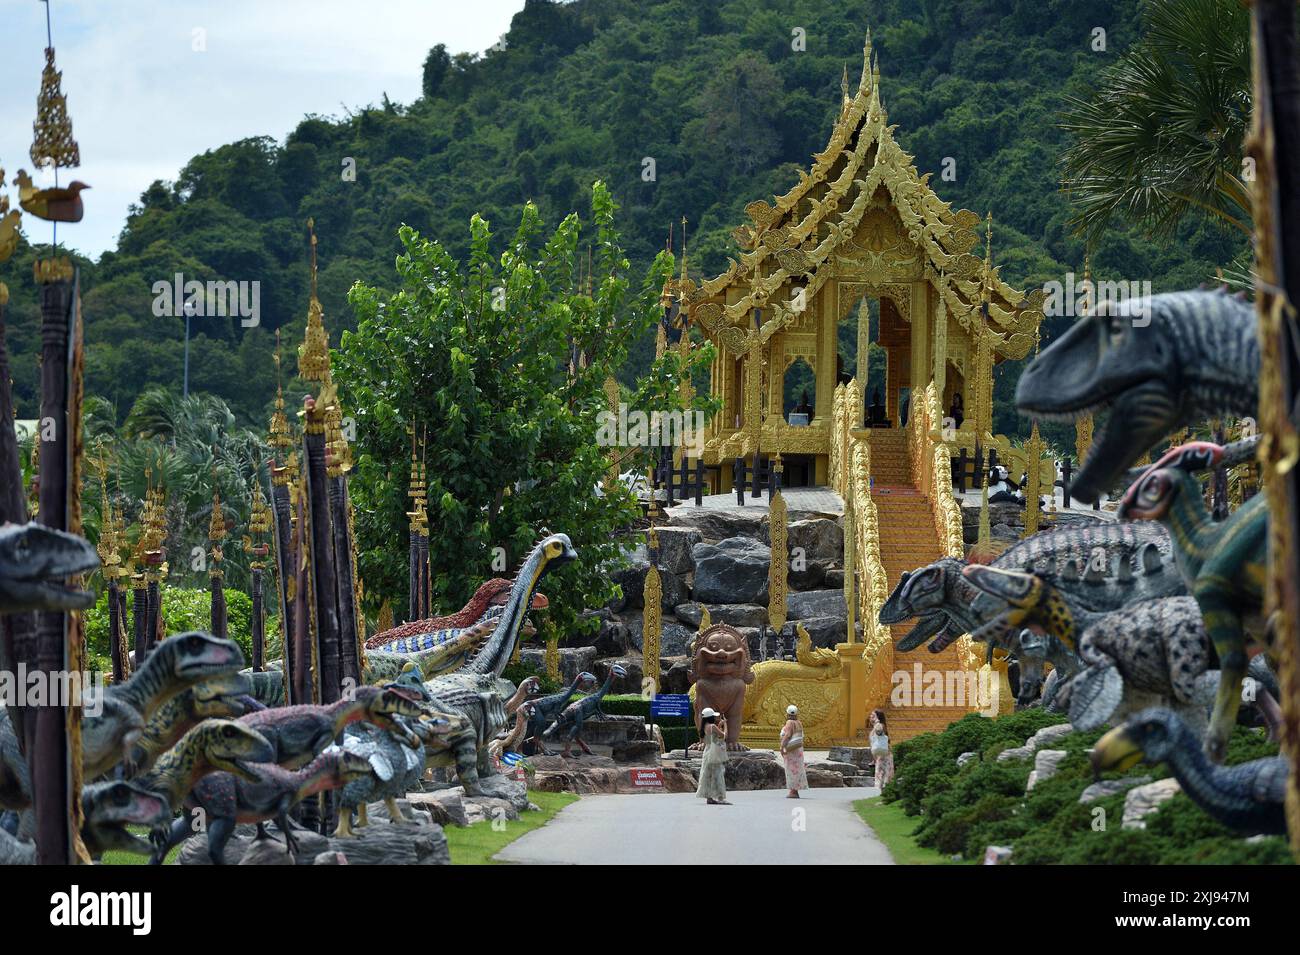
1163	135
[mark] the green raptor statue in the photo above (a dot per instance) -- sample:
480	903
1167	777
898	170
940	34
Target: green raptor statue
34	562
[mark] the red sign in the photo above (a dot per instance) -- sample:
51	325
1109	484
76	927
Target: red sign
647	778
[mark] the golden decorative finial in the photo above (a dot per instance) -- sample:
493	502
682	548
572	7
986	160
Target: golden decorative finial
216	530
259	525
844	83
683	250
53	144
314	353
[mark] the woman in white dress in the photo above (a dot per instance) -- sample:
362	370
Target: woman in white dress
796	772
713	781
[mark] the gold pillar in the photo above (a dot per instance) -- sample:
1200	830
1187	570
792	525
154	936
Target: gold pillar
850	568
779	564
651	617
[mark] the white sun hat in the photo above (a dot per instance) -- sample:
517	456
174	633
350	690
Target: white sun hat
707	712
792	710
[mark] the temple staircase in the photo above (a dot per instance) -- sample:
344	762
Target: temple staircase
907	541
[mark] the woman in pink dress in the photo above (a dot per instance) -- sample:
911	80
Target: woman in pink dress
796	774
880	748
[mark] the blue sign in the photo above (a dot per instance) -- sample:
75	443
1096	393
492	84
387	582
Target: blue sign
670	704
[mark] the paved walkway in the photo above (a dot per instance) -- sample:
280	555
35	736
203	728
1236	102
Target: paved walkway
760	828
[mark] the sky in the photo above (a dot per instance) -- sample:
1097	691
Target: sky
152	83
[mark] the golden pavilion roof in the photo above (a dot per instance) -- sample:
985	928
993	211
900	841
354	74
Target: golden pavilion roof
789	239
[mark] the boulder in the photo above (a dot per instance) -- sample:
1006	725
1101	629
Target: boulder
579	760
674	675
612	730
631	580
503	787
1110	787
415	842
820	778
445	803
610	779
823	631
1046	735
609	638
673	637
675	549
272	851
1046	763
627	684
810	574
489	809
733	571
638	752
267	852
1141	801
330	858
715	524
818	538
834	578
817	603
573	660
737	615
859	756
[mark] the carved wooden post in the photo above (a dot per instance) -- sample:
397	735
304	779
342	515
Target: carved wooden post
651	616
259	523
319	539
350	622
216	576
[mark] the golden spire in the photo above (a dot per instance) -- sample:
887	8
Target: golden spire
216	529
259	525
988	255
314	353
53	144
844	84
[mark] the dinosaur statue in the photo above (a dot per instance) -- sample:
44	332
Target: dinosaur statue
546	709
266	686
393	769
1248	797
121	711
439	652
297	734
528	688
211	747
489	599
224	697
513	740
223	800
720	671
1147	652
1079	558
107	809
1158	364
576	713
1224	563
35	560
477	690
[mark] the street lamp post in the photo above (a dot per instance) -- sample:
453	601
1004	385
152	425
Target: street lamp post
189	313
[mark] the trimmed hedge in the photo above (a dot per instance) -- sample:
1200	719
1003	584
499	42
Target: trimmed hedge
961	811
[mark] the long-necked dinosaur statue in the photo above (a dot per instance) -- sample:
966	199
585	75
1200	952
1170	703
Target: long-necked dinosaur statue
477	689
35	560
1153	652
439	652
569	722
225	800
488	602
1158	364
1249	797
1224	563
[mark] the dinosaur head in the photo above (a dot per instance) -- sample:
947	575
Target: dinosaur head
34	560
1021	594
557	550
229	746
587	681
1149	736
1150	496
109	807
1123	359
918	594
1031	653
382	704
195	655
220	696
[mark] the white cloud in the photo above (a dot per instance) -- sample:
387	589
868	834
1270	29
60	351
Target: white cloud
143	102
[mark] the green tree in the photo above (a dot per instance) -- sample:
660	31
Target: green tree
477	356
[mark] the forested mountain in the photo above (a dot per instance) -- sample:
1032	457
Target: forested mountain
713	91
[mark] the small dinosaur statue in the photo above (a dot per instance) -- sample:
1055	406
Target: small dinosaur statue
393	768
211	747
225	800
107	809
1249	797
34	561
297	734
528	688
1224	563
576	713
1158	364
224	697
546	709
513	740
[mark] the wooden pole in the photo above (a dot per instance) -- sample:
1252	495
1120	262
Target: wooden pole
320	541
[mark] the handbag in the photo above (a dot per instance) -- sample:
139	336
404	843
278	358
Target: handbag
880	745
795	741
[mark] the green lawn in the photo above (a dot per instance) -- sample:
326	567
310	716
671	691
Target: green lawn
477	844
894	828
130	858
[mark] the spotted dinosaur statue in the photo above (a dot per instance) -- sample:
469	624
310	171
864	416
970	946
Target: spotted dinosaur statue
1158	364
1094	566
1249	797
569	722
224	697
545	709
1225	564
211	747
488	601
1153	652
224	800
477	690
107	809
297	734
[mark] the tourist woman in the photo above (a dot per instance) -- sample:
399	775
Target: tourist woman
713	782
796	774
880	750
